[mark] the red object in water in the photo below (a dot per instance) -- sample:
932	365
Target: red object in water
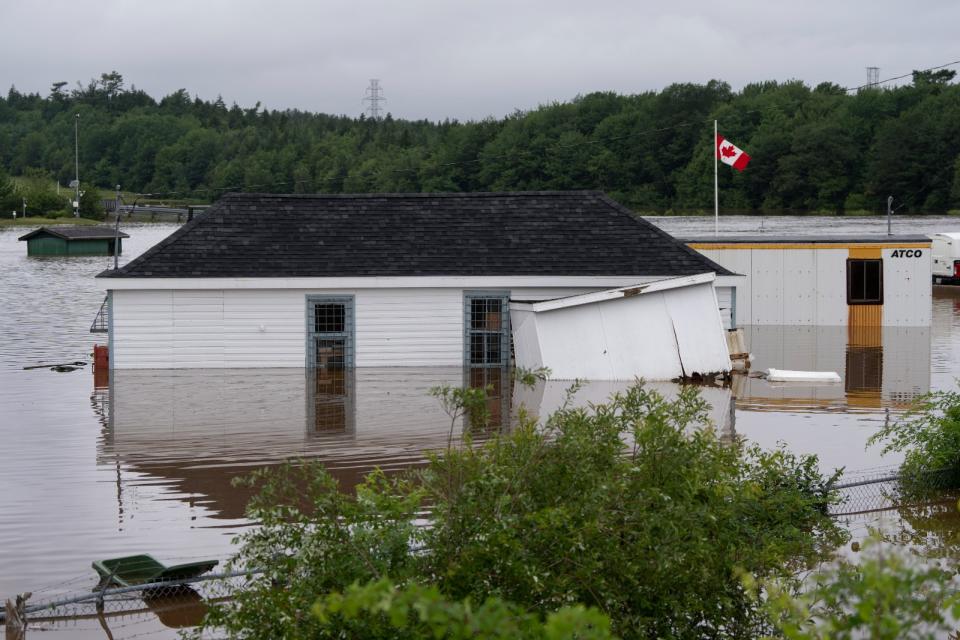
101	357
956	268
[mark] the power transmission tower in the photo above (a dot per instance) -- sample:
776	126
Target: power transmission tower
873	76
374	96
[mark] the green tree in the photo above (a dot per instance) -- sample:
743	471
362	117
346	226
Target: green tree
9	200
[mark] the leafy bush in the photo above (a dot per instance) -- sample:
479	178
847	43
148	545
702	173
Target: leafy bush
929	436
889	594
423	612
628	508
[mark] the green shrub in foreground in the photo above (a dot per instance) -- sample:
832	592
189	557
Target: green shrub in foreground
625	509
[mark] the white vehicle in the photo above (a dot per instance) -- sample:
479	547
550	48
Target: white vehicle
946	257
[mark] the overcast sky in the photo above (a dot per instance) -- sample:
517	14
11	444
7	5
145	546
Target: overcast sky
447	59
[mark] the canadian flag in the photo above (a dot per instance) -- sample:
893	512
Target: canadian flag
730	154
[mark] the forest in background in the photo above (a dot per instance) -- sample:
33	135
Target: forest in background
821	149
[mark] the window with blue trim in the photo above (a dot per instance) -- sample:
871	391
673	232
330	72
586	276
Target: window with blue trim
330	340
487	329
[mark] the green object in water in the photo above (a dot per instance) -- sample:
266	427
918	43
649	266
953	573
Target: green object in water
144	568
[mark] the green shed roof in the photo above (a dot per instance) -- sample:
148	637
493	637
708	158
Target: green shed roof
76	233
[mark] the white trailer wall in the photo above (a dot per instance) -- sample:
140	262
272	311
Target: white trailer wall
807	286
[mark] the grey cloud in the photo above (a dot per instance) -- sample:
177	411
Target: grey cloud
456	59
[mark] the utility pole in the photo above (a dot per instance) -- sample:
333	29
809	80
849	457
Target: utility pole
374	96
24	207
76	161
889	214
116	232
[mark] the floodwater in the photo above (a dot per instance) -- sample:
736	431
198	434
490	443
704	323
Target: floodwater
93	468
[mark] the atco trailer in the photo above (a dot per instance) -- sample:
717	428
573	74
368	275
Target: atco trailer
860	281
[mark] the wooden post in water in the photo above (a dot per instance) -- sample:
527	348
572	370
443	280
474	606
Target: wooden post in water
15	627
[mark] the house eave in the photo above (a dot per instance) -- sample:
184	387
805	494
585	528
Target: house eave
374	282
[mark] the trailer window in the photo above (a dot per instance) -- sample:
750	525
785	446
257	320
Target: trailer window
864	281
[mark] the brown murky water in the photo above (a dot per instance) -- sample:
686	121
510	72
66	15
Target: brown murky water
142	463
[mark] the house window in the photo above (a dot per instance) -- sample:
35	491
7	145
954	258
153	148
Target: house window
864	281
329	332
487	329
330	404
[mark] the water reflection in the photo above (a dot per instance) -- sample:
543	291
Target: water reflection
197	429
881	367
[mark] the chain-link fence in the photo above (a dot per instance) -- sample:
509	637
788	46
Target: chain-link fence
883	489
120	611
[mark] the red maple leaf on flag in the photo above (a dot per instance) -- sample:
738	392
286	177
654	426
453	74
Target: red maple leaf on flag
728	151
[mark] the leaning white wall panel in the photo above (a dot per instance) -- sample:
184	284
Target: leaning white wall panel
657	335
583	357
526	339
696	319
642	321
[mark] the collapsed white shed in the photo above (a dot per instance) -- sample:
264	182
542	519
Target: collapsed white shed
659	330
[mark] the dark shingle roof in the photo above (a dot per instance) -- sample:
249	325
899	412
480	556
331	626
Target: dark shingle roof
75	233
461	234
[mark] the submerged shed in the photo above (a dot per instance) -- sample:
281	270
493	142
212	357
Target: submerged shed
74	241
660	330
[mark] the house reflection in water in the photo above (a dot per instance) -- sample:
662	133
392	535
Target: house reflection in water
193	430
881	367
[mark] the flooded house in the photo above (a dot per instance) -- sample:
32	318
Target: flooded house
68	240
379	280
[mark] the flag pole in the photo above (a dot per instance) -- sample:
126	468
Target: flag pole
716	188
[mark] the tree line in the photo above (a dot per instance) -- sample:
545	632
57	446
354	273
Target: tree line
825	148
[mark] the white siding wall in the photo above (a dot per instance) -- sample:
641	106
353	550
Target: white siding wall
267	328
238	328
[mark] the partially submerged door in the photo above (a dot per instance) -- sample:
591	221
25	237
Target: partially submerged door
330	336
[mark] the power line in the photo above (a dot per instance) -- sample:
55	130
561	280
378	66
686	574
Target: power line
901	77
